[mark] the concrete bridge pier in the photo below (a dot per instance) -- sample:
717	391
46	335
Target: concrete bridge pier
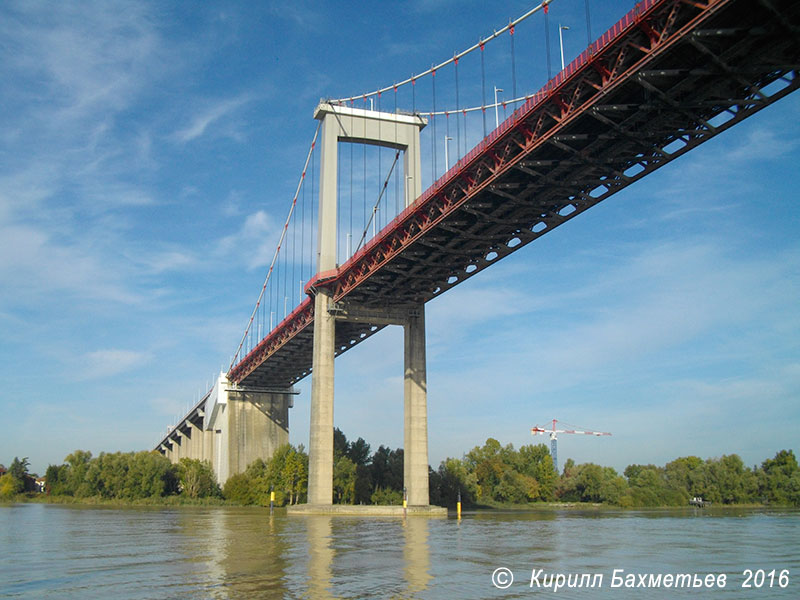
340	123
231	427
180	445
320	451
251	424
415	392
196	440
166	448
209	443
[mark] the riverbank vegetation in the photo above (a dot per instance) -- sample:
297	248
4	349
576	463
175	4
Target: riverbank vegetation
119	476
487	475
493	474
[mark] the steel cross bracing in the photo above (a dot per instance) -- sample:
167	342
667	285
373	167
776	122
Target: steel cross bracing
669	76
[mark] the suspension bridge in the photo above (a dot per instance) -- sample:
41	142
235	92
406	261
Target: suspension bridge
668	76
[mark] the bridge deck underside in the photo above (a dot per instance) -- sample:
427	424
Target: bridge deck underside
649	93
291	362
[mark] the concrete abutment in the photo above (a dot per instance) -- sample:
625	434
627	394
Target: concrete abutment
230	428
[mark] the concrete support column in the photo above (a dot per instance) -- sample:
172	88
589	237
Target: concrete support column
195	442
208	445
178	445
197	437
257	424
186	442
415	464
320	451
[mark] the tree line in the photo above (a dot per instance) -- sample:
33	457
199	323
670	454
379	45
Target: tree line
116	476
494	474
488	475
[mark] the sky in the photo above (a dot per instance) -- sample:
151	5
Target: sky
148	156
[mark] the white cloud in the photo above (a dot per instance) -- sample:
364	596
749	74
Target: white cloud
87	55
110	362
210	114
254	243
33	265
156	262
763	144
167	407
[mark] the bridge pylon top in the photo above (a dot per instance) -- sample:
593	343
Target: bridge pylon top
355	115
359	126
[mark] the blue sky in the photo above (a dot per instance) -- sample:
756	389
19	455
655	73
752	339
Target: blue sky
148	155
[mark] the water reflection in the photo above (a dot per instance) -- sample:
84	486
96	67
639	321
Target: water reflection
416	555
320	556
241	553
232	553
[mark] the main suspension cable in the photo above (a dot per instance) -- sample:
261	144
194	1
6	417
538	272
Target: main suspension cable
277	249
469	50
378	201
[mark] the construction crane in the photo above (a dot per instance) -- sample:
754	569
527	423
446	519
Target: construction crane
553	444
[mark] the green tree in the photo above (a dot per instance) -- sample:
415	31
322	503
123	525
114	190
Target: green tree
344	480
294	475
150	474
364	484
583	484
647	487
340	443
76	483
285	474
386	497
18	475
56	477
536	462
779	479
487	464
358	452
197	478
239	488
454	479
589	482
386	469
729	481
19	468
687	476
505	475
259	474
8	486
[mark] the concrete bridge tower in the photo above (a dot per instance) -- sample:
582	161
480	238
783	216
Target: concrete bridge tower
401	132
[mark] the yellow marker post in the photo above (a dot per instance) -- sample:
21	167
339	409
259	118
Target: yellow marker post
458	505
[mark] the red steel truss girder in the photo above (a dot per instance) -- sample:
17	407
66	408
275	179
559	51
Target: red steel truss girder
440	203
516	185
284	356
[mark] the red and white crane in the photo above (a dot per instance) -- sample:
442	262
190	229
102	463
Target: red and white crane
553	437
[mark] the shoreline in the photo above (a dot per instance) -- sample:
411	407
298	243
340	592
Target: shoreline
179	502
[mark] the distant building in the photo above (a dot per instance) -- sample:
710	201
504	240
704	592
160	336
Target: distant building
41	484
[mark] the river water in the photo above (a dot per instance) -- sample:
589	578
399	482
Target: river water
55	551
